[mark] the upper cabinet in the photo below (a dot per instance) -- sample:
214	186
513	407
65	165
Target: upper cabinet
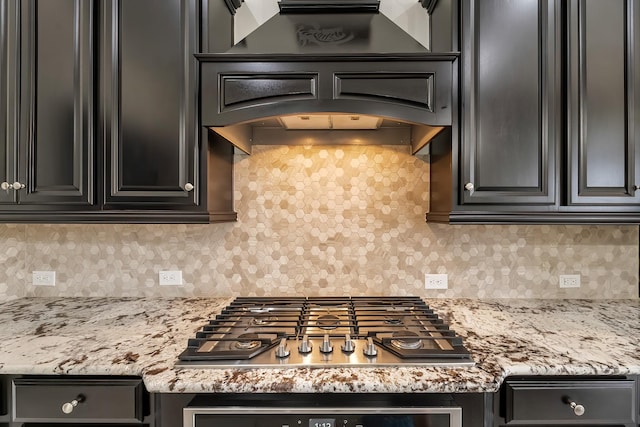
510	102
48	110
103	125
8	105
603	103
149	102
549	118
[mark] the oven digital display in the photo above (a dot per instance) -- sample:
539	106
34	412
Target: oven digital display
322	422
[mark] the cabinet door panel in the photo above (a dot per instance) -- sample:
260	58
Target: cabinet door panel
603	102
57	114
150	102
8	104
510	101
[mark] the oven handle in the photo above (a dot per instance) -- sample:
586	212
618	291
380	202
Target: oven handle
190	413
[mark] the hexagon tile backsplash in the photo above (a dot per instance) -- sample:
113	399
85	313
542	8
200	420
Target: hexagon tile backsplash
323	221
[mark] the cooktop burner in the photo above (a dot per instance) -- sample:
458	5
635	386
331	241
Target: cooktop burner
371	331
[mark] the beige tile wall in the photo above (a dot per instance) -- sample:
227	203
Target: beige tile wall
323	221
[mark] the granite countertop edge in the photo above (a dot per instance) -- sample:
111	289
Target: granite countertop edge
143	337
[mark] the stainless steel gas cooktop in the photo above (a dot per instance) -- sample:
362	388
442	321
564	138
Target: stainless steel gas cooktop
324	332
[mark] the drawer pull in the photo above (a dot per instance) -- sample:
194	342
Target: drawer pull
68	407
577	409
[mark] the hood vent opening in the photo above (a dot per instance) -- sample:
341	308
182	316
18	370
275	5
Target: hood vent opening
328	72
328	129
330	121
329	6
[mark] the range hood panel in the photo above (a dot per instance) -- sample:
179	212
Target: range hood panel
336	33
330	57
412	88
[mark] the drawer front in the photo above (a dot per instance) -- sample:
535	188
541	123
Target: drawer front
101	400
4	404
549	402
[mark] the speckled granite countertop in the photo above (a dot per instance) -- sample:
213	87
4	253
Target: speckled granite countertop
100	336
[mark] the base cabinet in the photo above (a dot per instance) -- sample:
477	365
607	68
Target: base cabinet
72	400
556	401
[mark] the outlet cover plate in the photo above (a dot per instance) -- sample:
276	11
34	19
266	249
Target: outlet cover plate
569	280
170	278
43	278
436	281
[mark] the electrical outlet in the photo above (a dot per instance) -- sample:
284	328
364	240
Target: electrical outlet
43	278
170	278
435	281
569	280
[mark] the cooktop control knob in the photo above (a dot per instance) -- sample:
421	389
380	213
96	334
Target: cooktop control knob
370	348
282	351
305	345
326	346
348	345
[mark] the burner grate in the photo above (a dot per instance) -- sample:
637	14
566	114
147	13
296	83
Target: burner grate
327	331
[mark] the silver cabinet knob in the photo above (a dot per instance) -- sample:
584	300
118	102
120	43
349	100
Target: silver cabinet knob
15	186
188	186
282	351
469	186
68	407
577	409
305	345
636	187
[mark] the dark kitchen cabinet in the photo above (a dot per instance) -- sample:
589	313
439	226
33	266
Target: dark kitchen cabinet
8	106
77	400
550	116
149	103
510	115
603	104
157	158
159	165
4	401
99	114
554	401
511	102
47	105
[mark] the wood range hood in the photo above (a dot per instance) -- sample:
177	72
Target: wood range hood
332	72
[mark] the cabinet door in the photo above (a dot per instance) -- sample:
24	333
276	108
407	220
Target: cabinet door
8	91
511	102
150	102
56	137
604	102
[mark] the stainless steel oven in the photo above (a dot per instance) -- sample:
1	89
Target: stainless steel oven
285	416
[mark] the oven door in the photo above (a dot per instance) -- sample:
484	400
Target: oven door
322	417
